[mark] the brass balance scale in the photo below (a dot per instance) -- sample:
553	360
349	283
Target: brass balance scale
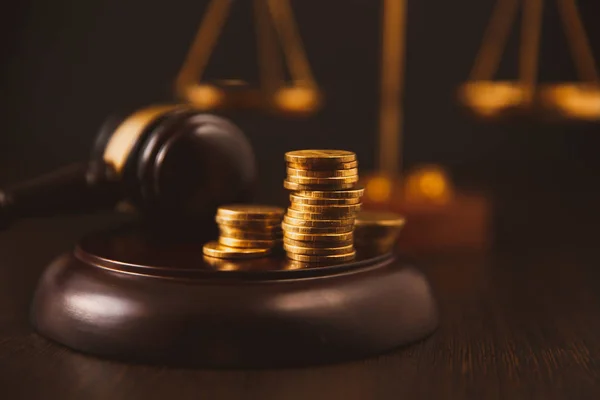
490	99
274	20
426	193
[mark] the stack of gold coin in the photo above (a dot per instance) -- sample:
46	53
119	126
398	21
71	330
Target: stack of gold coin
319	223
246	231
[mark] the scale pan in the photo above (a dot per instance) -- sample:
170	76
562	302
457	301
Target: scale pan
489	99
296	100
224	94
578	101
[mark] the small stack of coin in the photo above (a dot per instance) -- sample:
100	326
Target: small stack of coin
318	226
246	231
376	232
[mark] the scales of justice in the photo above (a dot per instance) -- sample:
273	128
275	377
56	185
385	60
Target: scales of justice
142	292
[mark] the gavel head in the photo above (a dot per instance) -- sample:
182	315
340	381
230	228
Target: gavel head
176	162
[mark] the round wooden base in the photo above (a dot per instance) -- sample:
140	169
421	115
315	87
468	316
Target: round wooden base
124	296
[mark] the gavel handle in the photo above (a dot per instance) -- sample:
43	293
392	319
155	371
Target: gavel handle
77	188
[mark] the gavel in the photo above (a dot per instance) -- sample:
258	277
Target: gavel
168	162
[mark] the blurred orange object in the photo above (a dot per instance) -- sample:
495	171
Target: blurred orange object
489	99
573	100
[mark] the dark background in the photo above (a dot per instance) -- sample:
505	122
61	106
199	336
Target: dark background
66	65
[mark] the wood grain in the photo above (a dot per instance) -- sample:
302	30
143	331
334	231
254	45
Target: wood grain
517	322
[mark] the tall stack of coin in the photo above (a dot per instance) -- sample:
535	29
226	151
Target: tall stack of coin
246	231
319	223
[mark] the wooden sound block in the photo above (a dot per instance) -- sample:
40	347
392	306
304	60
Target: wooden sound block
131	297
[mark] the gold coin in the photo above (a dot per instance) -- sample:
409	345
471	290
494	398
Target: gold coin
377	232
314	167
318	251
247	244
214	249
379	218
321	223
308	173
221	264
345	214
252	235
290	265
250	224
249	211
329	259
293	264
353	193
320	187
374	249
316	231
302	243
339	210
333	181
319	156
253	226
324	237
315	201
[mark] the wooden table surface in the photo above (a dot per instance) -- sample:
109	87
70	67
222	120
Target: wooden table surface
521	320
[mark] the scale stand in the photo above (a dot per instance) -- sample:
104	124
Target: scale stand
126	295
